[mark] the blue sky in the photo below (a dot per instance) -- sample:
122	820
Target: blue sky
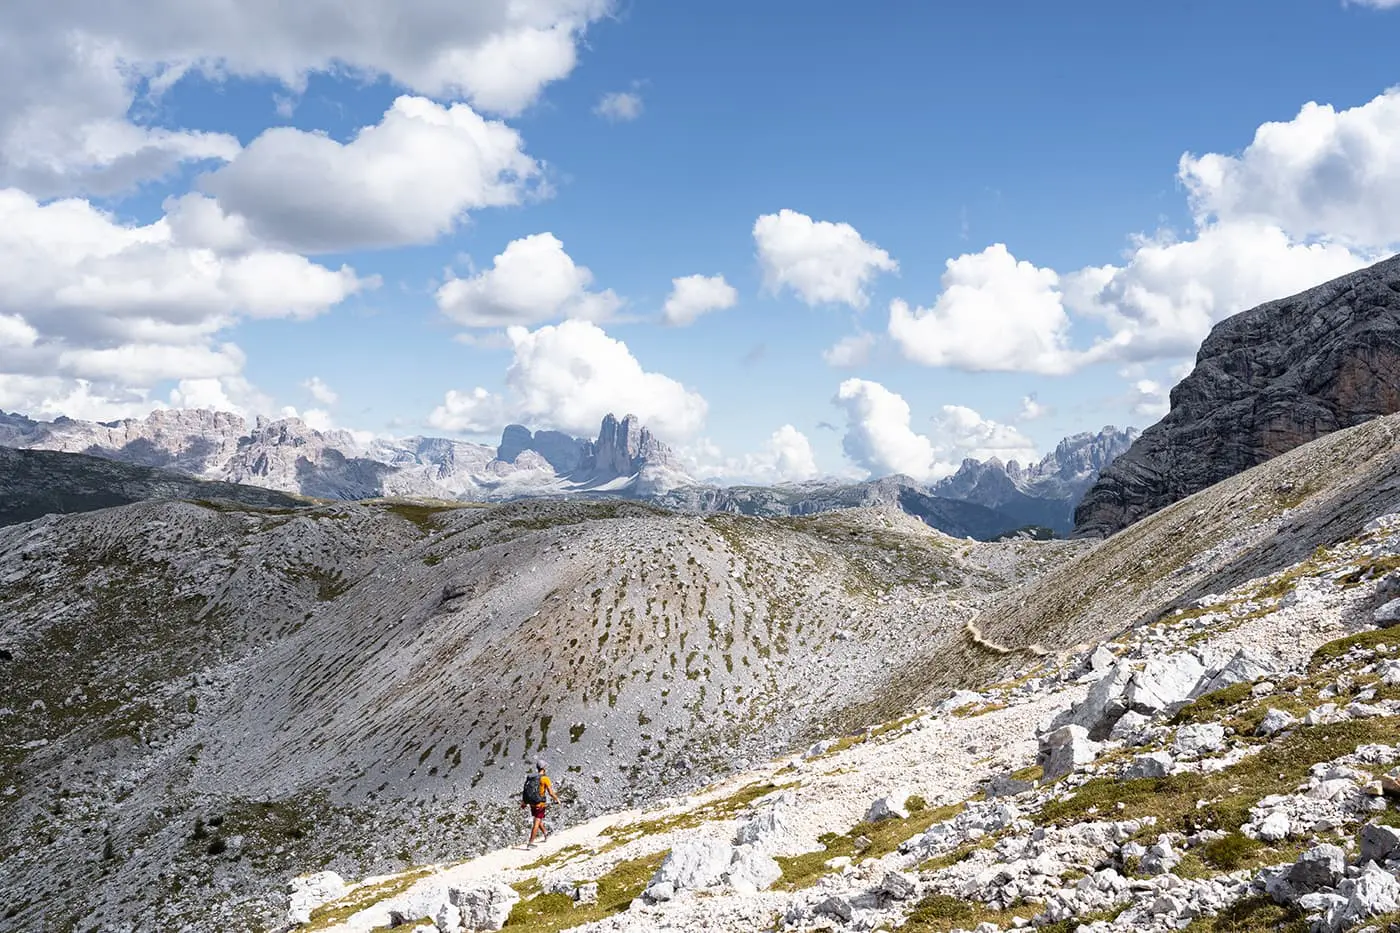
179	232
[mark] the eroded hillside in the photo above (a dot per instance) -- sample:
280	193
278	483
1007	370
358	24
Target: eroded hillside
201	698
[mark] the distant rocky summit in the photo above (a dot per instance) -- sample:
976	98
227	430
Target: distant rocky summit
1045	493
1266	381
289	455
982	500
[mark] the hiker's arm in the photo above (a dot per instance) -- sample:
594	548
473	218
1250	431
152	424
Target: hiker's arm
554	795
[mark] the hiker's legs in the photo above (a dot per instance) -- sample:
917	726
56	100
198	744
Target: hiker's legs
536	825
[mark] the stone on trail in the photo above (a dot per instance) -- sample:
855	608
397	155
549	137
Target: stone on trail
1165	683
751	871
836	906
1130	726
1317	869
693	864
1245	667
1101	659
1274	827
484	905
311	891
1065	749
586	893
897	885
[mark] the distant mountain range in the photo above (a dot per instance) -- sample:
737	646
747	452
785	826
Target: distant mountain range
981	500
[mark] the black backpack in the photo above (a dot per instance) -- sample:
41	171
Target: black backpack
531	794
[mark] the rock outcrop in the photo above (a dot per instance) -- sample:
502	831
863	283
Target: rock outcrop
1265	382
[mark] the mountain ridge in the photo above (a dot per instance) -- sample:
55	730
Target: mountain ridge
626	459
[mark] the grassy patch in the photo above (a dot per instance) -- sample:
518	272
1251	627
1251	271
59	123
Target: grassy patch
1236	851
1335	650
1258	914
938	913
549	913
1209	707
1221	800
422	514
338	911
800	871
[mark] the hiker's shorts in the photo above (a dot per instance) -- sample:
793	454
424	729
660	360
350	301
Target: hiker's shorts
537	810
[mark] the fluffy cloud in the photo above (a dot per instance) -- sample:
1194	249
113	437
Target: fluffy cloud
880	437
567	376
531	281
110	309
1308	200
70	73
822	262
960	432
850	351
786	458
619	106
1164	301
1325	173
409	179
995	313
320	391
694	295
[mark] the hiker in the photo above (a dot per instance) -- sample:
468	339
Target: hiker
537	786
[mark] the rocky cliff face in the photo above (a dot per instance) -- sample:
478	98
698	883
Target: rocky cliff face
34	483
1265	381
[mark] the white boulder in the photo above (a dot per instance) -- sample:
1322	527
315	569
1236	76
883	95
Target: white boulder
1276	720
1199	738
1065	749
1387	614
311	891
1151	765
484	905
752	871
693	864
889	807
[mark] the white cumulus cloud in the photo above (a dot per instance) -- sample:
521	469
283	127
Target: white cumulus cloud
533	280
1326	173
71	72
694	295
110	309
822	262
995	314
409	179
1164	301
960	432
880	437
786	457
568	376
